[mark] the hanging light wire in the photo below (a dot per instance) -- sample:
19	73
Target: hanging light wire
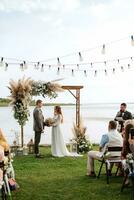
71	54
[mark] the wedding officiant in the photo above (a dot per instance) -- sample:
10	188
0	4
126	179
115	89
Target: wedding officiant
122	116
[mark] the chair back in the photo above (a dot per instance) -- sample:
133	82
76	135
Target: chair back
115	151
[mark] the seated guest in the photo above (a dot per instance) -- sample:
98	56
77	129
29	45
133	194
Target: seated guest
112	138
128	146
131	145
1	153
127	141
1	161
3	141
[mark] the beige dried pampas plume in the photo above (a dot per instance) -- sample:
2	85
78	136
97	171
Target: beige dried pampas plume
79	131
21	90
55	87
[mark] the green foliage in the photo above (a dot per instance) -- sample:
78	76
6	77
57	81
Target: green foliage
21	113
83	145
41	88
4	101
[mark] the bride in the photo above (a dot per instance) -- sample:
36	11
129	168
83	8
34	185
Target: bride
58	146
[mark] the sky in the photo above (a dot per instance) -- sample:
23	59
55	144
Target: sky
37	30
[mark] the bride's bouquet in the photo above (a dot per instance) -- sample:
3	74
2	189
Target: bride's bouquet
49	122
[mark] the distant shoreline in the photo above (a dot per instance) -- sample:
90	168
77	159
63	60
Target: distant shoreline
51	104
46	104
5	102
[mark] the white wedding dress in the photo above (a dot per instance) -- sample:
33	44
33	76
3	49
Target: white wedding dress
58	146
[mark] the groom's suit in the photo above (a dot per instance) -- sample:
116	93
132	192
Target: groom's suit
38	126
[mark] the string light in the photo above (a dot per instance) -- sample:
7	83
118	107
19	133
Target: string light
105	72
105	63
128	66
81	51
24	64
132	40
113	70
85	73
58	71
58	62
122	68
2	62
21	67
42	68
103	51
80	57
6	66
72	72
95	73
38	65
88	50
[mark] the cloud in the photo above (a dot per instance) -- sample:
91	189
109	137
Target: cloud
30	6
18	5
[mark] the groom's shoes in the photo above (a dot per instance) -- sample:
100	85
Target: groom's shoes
39	156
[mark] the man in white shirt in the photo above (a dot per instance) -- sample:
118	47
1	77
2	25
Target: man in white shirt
112	138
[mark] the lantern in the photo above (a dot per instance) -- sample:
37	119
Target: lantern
73	146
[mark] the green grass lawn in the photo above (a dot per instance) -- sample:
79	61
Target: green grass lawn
62	179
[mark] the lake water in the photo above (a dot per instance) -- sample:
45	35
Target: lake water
95	117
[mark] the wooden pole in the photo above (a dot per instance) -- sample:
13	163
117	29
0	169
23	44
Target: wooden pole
77	97
22	135
78	107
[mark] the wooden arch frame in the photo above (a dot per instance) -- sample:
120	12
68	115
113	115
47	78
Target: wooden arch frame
77	97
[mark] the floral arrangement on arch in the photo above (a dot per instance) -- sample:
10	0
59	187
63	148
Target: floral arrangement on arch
83	144
22	92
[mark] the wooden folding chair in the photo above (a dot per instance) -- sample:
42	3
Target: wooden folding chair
110	160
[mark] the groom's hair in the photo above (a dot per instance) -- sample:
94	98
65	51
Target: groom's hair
38	101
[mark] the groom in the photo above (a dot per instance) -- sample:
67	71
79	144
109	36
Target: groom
38	125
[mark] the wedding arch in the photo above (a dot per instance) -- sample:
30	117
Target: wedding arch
22	91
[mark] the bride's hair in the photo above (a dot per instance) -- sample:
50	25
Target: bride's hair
58	110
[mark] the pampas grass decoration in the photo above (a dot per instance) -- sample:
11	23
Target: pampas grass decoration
21	90
55	87
79	131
